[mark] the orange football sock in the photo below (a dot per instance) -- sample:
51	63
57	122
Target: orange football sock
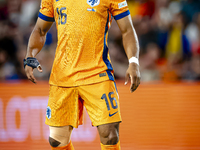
111	147
67	147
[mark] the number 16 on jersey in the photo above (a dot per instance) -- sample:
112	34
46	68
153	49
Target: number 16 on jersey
62	17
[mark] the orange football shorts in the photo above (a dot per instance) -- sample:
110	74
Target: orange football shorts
65	105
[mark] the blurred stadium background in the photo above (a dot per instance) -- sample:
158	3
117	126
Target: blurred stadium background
163	114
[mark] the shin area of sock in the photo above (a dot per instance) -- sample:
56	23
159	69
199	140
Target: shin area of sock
111	147
67	147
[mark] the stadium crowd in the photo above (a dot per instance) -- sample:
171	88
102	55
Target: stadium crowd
168	32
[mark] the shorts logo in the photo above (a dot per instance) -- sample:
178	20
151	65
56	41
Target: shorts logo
110	115
93	3
48	112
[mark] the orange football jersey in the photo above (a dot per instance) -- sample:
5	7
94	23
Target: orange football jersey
82	26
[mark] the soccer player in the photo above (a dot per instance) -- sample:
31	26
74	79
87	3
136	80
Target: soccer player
82	74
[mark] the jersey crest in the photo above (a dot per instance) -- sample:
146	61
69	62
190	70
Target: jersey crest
48	112
93	3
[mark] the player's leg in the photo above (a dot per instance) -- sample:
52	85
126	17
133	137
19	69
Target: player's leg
64	112
60	138
109	136
102	104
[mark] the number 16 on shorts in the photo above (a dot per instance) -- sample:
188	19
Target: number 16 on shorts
113	102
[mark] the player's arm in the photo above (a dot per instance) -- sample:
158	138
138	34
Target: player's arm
131	46
35	44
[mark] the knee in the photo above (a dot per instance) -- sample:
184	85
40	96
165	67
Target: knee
60	136
112	139
53	142
109	134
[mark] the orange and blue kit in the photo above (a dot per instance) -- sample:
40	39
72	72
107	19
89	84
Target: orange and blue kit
82	25
82	74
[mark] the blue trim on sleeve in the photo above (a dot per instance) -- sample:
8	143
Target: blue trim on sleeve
43	17
122	15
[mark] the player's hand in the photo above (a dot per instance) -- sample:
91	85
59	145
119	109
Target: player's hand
134	74
29	64
29	73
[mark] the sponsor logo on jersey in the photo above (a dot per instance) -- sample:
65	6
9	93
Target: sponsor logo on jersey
93	3
122	4
91	9
48	112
